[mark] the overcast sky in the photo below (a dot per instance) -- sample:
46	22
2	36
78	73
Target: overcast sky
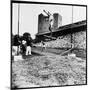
29	16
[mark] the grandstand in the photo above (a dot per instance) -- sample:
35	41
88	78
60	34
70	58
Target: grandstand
65	35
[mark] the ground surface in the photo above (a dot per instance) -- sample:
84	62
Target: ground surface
47	68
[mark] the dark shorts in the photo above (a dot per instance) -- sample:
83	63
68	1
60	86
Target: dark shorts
23	49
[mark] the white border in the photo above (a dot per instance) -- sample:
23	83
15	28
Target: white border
5	44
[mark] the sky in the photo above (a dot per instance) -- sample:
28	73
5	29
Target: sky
28	17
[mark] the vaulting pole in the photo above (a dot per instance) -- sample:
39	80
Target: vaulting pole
18	16
18	25
71	30
72	37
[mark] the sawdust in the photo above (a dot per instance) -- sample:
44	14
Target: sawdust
48	71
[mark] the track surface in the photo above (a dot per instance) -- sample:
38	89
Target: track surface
48	68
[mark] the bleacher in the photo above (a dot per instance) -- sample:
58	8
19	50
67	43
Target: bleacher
73	33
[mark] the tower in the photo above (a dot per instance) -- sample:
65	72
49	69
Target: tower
57	21
43	23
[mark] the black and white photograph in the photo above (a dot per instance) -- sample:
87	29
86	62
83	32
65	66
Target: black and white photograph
48	45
